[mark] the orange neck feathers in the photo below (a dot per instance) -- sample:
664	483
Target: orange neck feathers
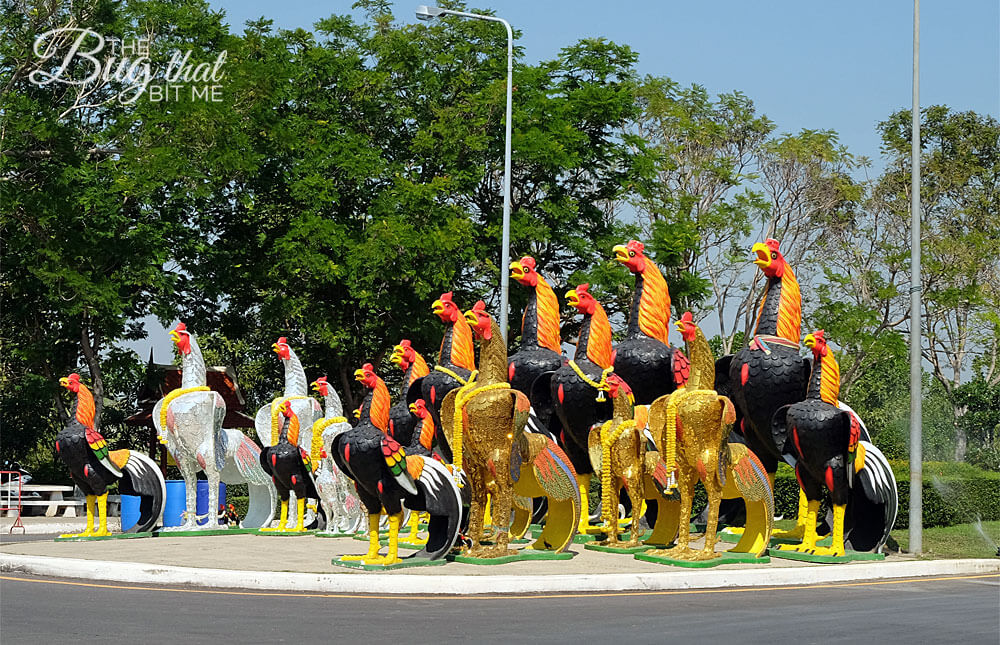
85	407
599	340
379	411
547	306
463	352
829	387
293	430
418	369
789	310
654	304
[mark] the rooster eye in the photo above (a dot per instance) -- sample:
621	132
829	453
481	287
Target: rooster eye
631	254
774	256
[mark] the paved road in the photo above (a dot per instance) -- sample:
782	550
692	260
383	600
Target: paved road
962	610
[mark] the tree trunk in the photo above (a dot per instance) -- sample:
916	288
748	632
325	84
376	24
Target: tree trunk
346	379
961	439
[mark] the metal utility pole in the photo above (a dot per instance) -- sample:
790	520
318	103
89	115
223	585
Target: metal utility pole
916	371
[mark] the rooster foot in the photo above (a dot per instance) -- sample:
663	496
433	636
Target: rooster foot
87	533
494	551
826	550
700	556
101	533
675	553
801	548
792	534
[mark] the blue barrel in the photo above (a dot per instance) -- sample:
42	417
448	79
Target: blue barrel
202	501
174	505
130	511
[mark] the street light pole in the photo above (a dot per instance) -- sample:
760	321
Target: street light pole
916	371
427	13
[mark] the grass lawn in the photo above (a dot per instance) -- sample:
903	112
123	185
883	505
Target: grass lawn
959	541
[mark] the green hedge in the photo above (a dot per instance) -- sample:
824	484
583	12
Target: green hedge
953	493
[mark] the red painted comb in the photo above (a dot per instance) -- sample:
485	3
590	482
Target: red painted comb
479	306
282	341
528	261
687	317
368	367
446	297
772	243
180	327
582	288
636	245
405	343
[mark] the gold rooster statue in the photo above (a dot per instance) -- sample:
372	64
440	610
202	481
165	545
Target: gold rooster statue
693	425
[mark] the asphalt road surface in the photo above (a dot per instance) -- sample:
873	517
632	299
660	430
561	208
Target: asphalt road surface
922	611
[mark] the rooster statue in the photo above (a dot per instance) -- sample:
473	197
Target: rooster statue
306	408
456	361
541	347
189	421
487	418
769	373
645	359
692	425
829	447
93	468
387	478
577	392
341	505
290	470
619	452
402	422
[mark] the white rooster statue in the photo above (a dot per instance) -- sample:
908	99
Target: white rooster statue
336	490
306	408
189	421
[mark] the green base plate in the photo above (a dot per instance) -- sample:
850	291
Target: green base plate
236	531
116	536
285	533
725	536
618	549
825	559
405	564
322	534
523	554
726	557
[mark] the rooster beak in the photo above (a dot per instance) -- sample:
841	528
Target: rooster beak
275	348
397	355
680	326
621	253
64	382
571	298
314	385
359	375
174	336
516	270
437	307
809	341
470	317
413	408
763	255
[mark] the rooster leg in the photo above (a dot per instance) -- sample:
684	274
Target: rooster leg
89	531
837	543
585	528
300	515
281	521
102	516
392	557
372	556
808	544
800	523
687	477
714	490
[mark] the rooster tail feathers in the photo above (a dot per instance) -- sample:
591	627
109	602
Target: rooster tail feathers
442	500
395	460
877	488
142	477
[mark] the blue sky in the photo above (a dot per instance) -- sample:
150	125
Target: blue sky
843	66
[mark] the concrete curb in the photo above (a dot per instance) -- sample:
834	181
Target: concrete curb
406	584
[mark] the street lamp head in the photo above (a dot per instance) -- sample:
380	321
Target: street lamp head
428	13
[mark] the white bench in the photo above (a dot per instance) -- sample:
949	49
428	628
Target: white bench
51	497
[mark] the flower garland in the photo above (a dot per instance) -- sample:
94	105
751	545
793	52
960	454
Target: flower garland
608	438
601	386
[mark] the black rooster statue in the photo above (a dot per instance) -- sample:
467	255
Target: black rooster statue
769	373
829	447
456	361
290	469
387	478
577	391
402	422
93	467
645	359
541	347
